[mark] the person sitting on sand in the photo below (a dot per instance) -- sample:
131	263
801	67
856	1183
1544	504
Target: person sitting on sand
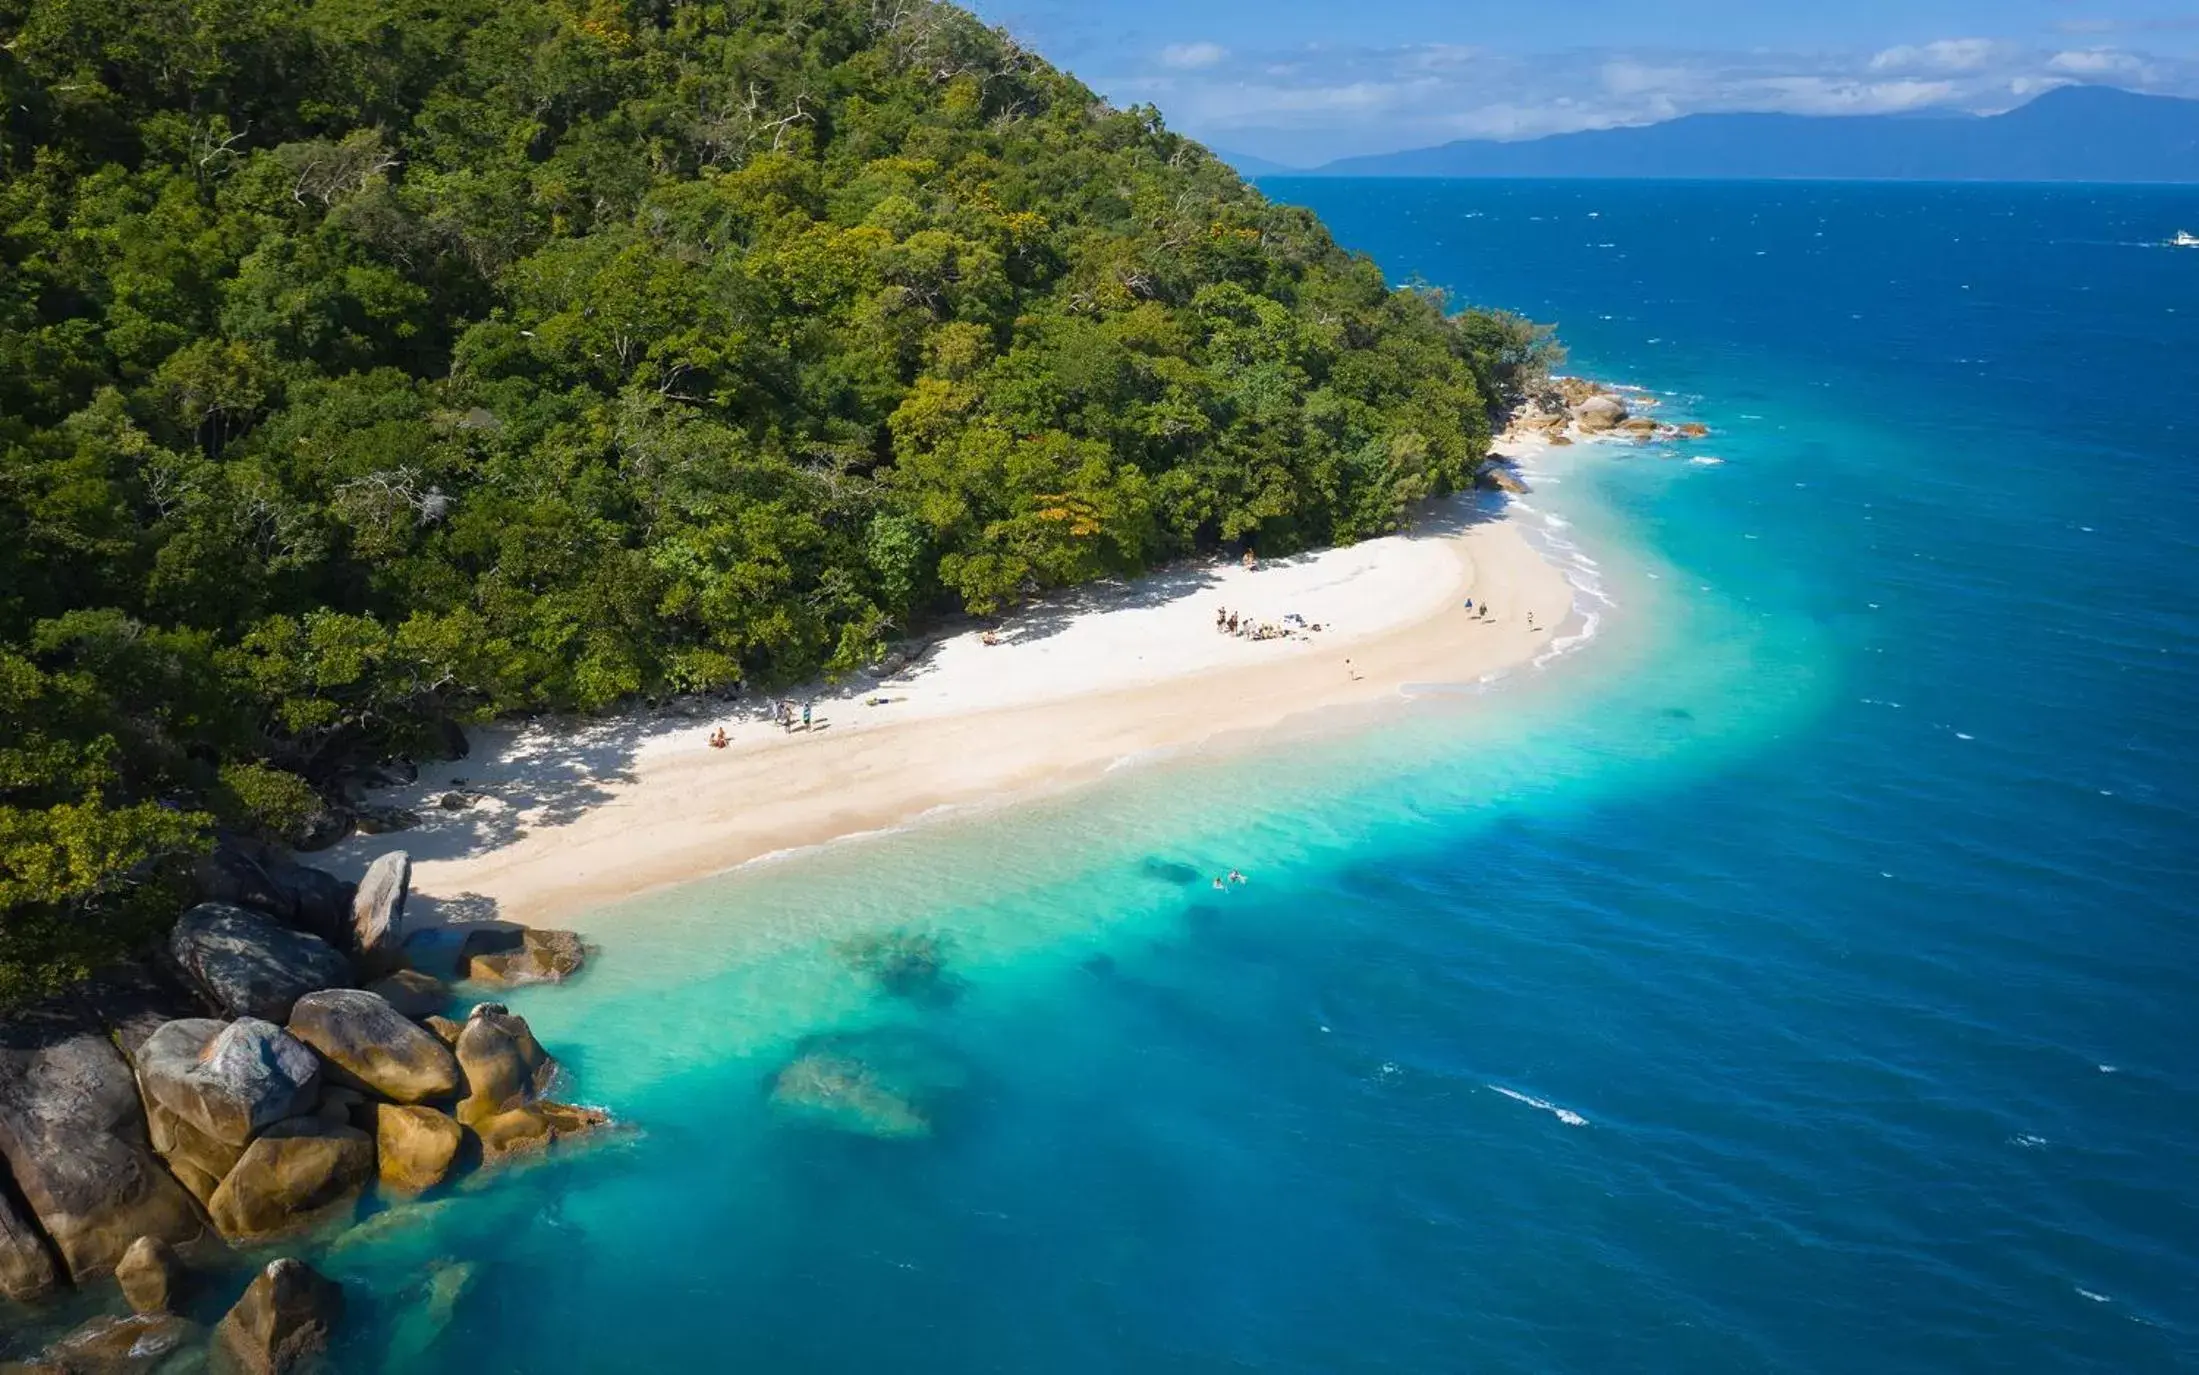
988	638
717	738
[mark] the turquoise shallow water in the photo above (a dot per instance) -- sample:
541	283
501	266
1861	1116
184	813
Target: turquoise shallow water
1800	976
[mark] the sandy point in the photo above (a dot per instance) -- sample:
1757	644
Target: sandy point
565	817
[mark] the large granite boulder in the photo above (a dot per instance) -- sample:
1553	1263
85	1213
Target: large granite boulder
119	1345
251	965
503	1064
228	1081
378	911
413	993
130	1001
27	1270
249	874
371	1045
197	1160
533	1127
72	1130
374	819
415	1146
506	957
346	1107
1498	477
1600	412
150	1275
287	1179
282	1322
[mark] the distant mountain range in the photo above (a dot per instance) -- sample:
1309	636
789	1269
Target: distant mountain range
2074	133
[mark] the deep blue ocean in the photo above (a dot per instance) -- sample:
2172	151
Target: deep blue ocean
1801	975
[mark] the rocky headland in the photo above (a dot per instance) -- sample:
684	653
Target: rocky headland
1569	409
291	1057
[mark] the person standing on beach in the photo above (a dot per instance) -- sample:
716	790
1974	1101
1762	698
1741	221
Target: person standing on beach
805	716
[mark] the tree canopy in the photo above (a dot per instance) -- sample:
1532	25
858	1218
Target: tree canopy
369	366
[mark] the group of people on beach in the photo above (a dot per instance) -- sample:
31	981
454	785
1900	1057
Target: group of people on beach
1231	623
783	715
1485	612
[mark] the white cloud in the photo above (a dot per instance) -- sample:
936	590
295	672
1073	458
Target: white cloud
1947	55
1188	57
1307	104
2097	62
1818	95
1626	77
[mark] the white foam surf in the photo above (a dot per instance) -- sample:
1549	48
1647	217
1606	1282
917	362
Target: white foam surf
1566	1115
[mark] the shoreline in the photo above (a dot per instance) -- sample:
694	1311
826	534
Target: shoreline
568	817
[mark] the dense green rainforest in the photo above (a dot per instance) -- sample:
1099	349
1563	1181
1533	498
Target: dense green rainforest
372	365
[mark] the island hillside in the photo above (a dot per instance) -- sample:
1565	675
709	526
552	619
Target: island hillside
371	368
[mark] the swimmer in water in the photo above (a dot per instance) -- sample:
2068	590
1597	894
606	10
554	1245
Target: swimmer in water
1236	877
1219	885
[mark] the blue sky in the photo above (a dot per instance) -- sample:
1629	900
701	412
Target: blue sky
1302	81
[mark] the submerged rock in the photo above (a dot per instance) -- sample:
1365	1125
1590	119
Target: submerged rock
415	1147
843	1092
73	1132
283	1320
369	1044
907	964
228	1081
288	1178
251	965
532	955
874	1084
391	1223
119	1345
427	1315
150	1275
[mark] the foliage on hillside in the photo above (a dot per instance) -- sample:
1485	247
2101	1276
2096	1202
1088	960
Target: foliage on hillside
367	364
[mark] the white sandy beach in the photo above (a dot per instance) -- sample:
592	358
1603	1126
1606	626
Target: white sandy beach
575	815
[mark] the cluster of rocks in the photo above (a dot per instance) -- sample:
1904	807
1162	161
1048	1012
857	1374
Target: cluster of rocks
281	1323
282	1058
1572	407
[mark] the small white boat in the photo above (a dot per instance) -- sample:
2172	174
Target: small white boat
2183	239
